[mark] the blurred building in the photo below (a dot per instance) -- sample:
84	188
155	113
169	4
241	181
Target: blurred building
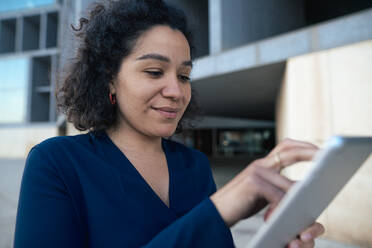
34	43
265	70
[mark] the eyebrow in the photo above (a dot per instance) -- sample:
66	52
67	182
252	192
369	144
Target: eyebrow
162	58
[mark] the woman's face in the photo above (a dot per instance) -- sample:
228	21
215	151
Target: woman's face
152	86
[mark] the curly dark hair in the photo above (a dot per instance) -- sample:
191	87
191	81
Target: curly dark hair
106	37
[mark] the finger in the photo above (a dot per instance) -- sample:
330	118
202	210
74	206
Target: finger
291	143
289	157
296	244
315	230
309	244
267	190
295	155
274	178
269	211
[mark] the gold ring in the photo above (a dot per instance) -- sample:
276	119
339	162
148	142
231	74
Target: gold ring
278	162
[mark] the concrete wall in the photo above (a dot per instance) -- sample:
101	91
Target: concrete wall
197	11
16	141
329	93
248	21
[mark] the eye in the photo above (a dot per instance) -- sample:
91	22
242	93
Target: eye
154	74
184	78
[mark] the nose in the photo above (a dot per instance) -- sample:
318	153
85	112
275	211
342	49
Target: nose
172	88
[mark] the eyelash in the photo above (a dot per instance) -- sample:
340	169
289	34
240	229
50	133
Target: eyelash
158	74
154	74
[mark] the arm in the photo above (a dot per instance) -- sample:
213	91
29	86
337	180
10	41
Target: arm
45	217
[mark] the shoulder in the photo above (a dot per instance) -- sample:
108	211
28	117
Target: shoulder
56	157
58	149
59	142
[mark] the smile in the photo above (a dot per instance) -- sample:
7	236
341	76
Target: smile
167	112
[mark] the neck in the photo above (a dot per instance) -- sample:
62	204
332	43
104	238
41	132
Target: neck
129	140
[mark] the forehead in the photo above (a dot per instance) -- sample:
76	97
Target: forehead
165	41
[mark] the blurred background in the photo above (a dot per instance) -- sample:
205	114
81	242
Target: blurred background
265	70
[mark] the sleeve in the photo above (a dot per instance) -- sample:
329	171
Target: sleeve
202	226
46	216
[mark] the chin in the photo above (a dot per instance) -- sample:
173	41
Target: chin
165	131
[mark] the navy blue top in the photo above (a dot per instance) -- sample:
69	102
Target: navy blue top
81	191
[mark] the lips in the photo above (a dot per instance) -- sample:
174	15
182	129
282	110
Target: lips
167	112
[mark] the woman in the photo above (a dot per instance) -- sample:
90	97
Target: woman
122	184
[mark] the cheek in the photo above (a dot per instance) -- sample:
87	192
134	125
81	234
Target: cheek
151	97
137	96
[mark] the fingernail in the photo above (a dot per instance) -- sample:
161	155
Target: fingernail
306	237
295	245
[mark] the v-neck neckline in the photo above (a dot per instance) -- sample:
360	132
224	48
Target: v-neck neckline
133	169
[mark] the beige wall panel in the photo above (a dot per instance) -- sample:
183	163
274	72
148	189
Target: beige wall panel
304	105
16	142
324	94
351	77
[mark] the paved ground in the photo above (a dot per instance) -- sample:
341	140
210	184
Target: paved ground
224	170
10	178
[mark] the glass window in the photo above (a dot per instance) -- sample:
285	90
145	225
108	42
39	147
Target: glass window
23	4
251	142
13	89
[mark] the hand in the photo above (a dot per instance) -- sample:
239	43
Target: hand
260	183
306	238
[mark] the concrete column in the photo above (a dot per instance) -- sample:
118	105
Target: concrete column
215	26
43	30
19	34
29	91
52	100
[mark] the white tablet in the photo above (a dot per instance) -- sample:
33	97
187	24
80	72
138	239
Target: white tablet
305	201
